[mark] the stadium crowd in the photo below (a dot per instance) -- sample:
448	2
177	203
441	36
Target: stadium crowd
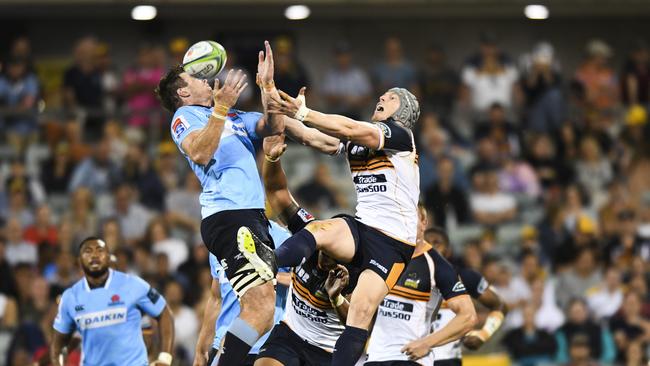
540	175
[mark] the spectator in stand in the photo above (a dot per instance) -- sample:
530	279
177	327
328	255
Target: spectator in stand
112	234
177	48
39	303
320	193
501	131
629	326
65	273
490	206
290	75
529	345
394	70
43	232
446	198
183	206
18	250
8	312
19	89
635	77
97	172
580	352
542	87
56	171
21	48
606	298
598	339
19	177
576	281
490	77
82	87
139	171
132	216
438	83
549	167
598	78
518	177
594	171
346	87
8	284
80	216
618	201
138	84
158	236
186	323
110	81
192	267
627	244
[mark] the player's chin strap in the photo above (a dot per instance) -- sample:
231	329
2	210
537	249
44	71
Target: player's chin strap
302	112
163	358
492	324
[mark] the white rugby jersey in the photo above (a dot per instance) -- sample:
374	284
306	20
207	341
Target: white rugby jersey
309	312
476	285
407	311
387	181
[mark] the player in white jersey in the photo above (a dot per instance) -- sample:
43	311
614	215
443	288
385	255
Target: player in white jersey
316	307
380	239
400	335
478	288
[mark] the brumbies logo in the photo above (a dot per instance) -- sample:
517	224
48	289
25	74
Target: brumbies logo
179	126
412	281
385	129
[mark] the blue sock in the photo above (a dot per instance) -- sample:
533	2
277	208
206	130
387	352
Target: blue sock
349	346
238	342
298	247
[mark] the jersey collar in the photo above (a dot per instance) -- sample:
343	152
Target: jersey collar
106	284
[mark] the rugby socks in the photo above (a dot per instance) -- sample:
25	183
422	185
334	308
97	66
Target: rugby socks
238	342
349	346
292	252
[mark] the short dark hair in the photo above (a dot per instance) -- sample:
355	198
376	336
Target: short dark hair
90	238
438	231
168	86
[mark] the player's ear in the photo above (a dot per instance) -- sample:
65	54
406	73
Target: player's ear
183	92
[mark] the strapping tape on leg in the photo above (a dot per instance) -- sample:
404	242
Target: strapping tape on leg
244	279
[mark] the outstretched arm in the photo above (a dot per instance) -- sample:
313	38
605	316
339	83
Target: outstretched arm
340	127
270	124
275	181
166	324
337	280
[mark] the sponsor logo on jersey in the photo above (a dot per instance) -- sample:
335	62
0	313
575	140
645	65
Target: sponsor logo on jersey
370	179
79	308
372	189
179	126
458	287
412	281
303	309
396	309
305	216
153	295
381	268
115	300
101	319
385	129
482	285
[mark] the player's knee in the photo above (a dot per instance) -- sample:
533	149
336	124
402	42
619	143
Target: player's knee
362	310
258	307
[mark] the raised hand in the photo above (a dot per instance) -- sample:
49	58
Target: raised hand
265	65
232	88
287	105
336	281
274	146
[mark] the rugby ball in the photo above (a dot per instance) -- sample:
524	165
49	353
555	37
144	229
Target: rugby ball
205	59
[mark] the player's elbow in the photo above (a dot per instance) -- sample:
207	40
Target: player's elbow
469	319
199	157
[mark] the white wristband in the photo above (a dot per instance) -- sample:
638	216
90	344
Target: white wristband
303	110
164	357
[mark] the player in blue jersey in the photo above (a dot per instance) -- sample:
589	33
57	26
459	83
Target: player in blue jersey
220	144
106	308
222	308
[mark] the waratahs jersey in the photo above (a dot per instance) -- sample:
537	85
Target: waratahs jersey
109	318
230	180
230	305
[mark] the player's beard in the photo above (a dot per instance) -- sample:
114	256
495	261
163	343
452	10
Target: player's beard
95	274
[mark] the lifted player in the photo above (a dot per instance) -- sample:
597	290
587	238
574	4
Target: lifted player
478	288
219	145
380	239
316	309
401	331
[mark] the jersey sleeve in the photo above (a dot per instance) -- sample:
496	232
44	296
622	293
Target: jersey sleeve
215	266
299	220
394	137
251	120
64	323
447	279
475	283
149	300
182	124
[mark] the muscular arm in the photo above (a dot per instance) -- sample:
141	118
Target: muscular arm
344	128
342	310
206	333
166	326
491	300
200	145
311	137
59	340
462	323
275	181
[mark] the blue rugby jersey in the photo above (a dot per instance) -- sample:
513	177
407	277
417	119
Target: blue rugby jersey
230	305
230	180
108	318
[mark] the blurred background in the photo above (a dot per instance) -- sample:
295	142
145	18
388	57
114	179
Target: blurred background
533	144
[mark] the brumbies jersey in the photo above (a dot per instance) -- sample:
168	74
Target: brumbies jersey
230	180
406	313
476	285
108	318
387	181
309	313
